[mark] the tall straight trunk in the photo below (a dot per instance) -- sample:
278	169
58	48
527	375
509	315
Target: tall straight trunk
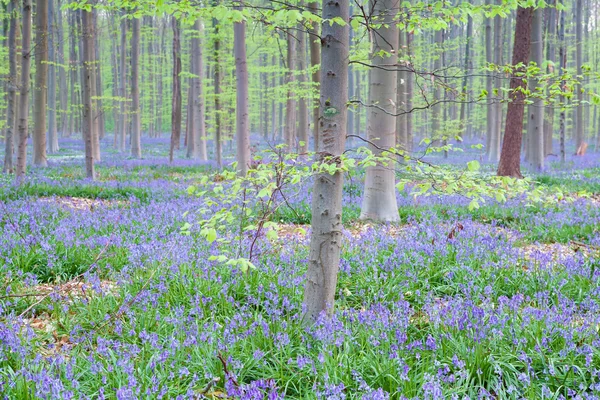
41	82
99	112
242	126
490	133
94	133
579	124
401	92
63	90
52	125
192	150
535	124
273	97
437	66
562	55
87	31
409	95
496	137
73	110
199	104
379	198
326	233
290	107
114	63
303	135
550	56
315	59
217	88
12	87
358	111
121	141
161	63
510	157
465	122
136	132
176	101
24	95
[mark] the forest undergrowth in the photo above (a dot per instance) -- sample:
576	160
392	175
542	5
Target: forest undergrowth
103	297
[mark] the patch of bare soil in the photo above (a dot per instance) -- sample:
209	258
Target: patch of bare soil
83	204
73	289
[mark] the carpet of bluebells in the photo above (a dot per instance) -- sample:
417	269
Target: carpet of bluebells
102	297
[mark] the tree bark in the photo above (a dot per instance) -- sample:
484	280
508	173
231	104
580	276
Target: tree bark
326	234
579	129
24	95
315	59
489	87
401	140
303	135
217	88
41	81
52	124
12	87
563	67
199	104
290	107
122	139
176	102
497	106
465	122
87	28
550	56
63	89
409	95
510	157
136	132
242	126
535	124
379	198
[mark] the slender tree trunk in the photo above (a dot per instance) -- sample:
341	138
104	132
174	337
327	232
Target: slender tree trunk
290	107
535	124
273	97
436	134
489	87
409	95
579	127
24	95
52	128
12	87
191	127
550	56
315	59
357	83
401	92
176	103
41	81
63	89
242	127
136	132
465	122
510	157
122	140
217	88
326	234
303	134
497	106
199	104
87	50
563	67
379	198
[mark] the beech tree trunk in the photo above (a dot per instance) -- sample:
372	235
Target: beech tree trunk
579	130
217	88
465	122
550	56
496	138
199	104
24	95
563	66
136	132
303	135
326	234
401	120
176	101
87	52
12	87
290	107
489	87
63	88
379	198
510	157
41	80
315	59
409	96
122	140
52	112
242	126
535	124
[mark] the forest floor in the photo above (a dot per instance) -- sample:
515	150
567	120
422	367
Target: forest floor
104	297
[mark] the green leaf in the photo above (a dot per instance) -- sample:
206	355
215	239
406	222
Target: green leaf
473	166
211	235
